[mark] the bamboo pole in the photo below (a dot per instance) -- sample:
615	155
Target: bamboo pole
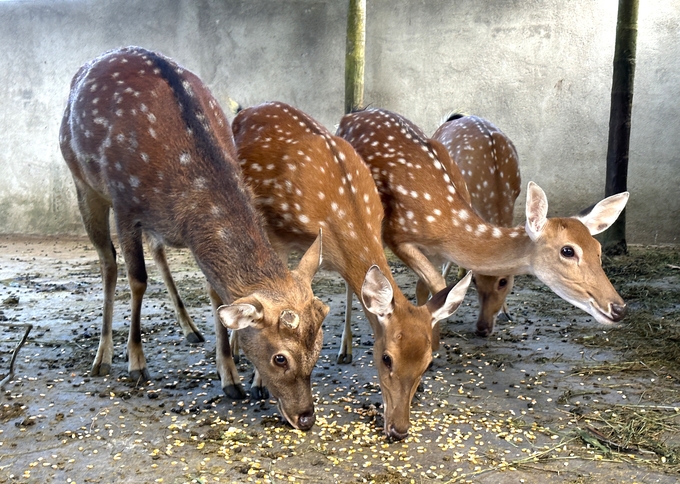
354	55
614	239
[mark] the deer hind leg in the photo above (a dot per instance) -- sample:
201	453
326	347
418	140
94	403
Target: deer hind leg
226	369
345	352
95	214
189	329
130	237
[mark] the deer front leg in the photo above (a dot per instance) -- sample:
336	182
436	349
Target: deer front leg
345	352
226	369
428	277
235	351
422	292
257	390
189	329
421	265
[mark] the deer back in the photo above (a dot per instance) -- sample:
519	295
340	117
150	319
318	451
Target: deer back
304	179
488	162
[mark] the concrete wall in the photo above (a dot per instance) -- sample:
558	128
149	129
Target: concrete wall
538	69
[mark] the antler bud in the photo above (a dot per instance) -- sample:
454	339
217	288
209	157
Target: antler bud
289	318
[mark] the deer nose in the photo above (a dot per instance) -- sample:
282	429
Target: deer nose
618	311
395	434
306	420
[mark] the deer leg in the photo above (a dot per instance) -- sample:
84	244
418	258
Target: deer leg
130	238
235	350
422	292
257	390
345	353
421	265
504	310
226	369
191	332
427	273
95	214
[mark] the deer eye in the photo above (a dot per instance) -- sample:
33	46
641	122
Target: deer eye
280	360
387	361
503	282
567	251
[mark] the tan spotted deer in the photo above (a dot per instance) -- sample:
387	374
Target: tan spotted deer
306	179
488	162
427	217
144	137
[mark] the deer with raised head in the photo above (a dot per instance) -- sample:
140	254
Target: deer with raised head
306	179
427	217
488	163
143	136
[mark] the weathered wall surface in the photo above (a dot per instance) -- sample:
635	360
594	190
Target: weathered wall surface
540	70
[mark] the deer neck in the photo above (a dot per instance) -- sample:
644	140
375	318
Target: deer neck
490	250
230	246
353	260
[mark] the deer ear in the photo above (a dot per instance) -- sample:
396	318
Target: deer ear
376	293
311	261
605	213
445	302
537	210
243	313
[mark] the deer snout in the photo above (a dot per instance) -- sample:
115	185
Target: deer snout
395	434
306	420
617	311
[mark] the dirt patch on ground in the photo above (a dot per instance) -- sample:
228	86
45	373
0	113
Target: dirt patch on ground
551	395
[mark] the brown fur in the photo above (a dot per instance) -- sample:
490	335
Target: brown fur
145	137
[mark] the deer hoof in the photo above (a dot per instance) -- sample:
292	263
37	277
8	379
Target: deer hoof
102	369
195	338
235	392
259	393
344	359
140	376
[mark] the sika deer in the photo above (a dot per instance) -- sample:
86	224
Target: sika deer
426	216
304	179
144	137
488	162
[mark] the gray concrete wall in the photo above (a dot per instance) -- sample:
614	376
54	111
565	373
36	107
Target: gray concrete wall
540	70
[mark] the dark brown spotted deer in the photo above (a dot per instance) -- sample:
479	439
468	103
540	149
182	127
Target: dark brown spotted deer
144	137
488	162
427	217
306	179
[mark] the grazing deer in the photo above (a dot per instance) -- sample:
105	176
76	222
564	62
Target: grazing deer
144	137
426	216
488	162
305	179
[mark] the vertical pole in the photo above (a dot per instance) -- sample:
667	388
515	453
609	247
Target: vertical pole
614	240
354	55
